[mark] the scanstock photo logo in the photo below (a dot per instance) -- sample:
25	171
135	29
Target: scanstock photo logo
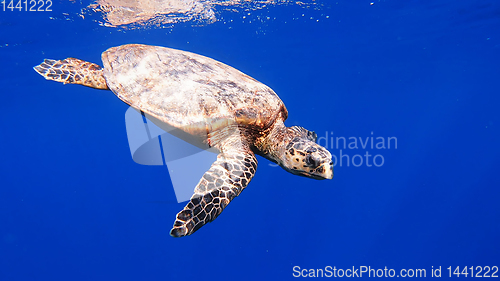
186	163
152	145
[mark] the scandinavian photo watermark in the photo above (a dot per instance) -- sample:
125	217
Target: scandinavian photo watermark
186	163
356	151
345	149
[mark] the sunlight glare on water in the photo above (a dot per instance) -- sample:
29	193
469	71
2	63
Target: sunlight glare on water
157	13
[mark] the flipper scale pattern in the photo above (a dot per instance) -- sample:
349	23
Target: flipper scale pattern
226	179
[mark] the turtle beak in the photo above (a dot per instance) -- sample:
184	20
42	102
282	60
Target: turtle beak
326	172
328	168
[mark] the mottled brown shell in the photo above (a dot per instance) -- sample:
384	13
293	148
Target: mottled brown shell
188	91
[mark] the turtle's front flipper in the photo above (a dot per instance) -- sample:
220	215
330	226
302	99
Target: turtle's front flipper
225	180
73	71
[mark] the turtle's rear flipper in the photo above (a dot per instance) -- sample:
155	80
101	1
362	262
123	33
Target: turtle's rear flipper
225	180
73	71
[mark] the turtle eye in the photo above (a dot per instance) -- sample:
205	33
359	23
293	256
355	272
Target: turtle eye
312	161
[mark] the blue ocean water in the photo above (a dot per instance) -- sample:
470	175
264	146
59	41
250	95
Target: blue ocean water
421	75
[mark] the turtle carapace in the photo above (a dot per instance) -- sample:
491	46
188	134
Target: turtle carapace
208	104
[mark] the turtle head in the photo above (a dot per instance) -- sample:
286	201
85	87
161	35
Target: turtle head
303	156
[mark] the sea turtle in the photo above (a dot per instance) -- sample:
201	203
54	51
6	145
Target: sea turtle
209	104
